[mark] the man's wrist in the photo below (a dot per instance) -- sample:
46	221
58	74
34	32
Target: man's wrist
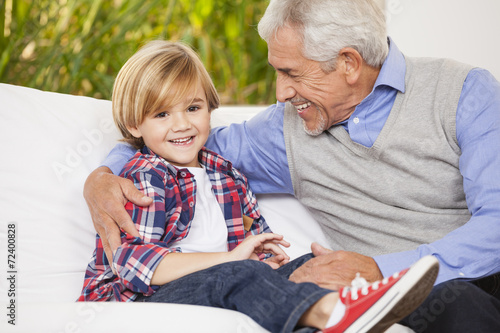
390	263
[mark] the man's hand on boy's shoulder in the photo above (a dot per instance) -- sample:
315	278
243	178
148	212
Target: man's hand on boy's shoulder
106	196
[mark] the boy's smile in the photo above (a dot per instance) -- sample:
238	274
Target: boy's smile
177	133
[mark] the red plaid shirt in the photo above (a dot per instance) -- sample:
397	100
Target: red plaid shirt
165	221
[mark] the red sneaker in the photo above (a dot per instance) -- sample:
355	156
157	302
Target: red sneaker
375	307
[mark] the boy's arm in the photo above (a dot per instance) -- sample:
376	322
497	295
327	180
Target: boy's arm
253	221
137	257
145	261
106	194
177	265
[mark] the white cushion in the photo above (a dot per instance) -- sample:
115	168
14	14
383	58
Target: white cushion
50	144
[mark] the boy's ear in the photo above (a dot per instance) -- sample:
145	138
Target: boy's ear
136	132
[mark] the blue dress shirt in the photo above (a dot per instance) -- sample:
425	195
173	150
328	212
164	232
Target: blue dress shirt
257	148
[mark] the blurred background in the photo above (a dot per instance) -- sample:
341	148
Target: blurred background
78	46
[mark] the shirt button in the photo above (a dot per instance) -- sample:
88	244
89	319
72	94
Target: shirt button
356	120
183	174
191	204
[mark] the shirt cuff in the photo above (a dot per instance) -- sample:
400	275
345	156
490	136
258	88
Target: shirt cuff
135	265
396	262
118	157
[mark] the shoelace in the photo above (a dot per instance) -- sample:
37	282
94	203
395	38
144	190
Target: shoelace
360	283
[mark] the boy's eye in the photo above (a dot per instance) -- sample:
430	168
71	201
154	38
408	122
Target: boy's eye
161	115
193	108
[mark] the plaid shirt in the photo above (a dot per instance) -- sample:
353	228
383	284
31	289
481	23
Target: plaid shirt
166	220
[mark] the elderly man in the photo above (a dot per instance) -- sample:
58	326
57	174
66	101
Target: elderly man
396	158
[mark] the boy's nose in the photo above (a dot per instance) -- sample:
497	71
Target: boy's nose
181	122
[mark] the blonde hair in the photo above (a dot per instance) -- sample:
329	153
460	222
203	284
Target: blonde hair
159	69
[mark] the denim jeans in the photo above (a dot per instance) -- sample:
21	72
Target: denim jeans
458	306
248	286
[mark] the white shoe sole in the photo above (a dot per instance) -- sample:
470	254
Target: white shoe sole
401	300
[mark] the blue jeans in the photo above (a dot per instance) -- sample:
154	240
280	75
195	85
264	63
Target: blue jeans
248	286
458	306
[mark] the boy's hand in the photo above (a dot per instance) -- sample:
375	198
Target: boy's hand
106	195
277	261
254	245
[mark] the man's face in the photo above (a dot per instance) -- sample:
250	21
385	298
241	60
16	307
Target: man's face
320	98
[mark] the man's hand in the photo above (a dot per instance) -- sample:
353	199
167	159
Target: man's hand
106	195
335	269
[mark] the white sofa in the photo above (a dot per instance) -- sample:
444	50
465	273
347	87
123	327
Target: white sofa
50	143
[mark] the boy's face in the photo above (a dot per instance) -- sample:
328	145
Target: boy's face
178	133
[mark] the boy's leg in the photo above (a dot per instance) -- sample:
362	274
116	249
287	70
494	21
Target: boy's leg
254	288
248	286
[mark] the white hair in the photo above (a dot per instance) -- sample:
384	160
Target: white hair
327	26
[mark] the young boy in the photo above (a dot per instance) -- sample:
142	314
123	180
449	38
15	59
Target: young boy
203	240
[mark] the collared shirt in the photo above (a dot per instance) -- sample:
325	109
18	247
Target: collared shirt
471	251
165	221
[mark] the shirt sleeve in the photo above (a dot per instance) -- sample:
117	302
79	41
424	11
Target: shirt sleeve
471	251
137	258
257	148
118	156
250	206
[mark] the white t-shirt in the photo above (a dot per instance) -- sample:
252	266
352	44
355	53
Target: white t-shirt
208	232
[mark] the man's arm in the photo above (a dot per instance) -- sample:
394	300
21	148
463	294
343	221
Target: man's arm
470	251
257	148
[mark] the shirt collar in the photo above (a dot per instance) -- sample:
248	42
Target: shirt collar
393	70
210	160
214	162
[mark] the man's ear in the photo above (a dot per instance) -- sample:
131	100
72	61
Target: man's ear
352	64
135	131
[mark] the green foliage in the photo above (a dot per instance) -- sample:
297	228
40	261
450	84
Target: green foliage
78	46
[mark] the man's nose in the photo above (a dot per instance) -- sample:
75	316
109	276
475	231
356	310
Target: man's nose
284	90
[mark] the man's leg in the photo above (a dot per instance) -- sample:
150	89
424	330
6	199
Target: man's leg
456	306
247	286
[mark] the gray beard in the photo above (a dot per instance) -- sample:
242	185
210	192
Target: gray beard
320	125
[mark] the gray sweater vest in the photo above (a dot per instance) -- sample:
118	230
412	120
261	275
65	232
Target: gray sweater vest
406	189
